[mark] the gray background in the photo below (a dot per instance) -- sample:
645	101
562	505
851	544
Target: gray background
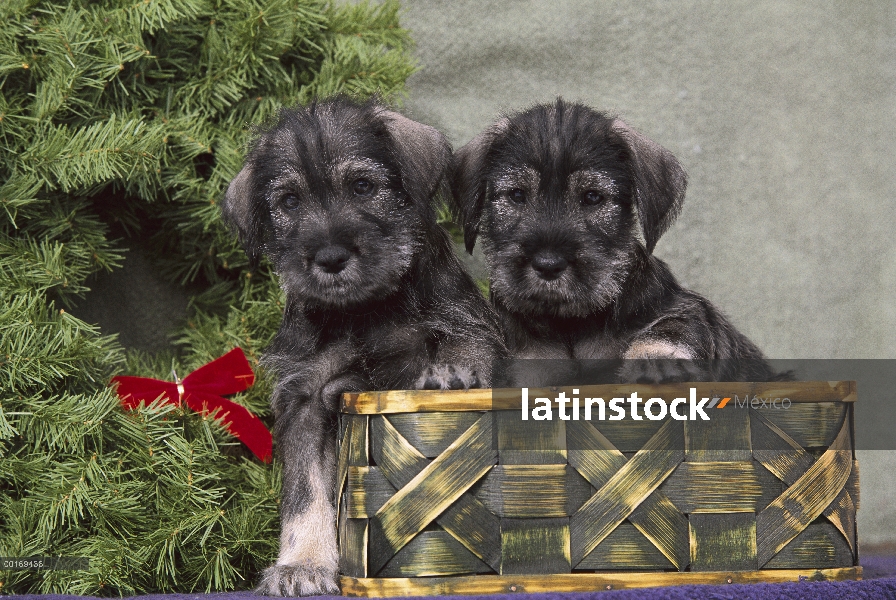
783	115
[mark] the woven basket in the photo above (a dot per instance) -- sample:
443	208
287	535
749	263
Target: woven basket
453	493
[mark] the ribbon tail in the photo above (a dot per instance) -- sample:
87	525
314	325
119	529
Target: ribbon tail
245	426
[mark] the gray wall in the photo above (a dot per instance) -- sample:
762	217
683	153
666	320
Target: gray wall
784	116
781	113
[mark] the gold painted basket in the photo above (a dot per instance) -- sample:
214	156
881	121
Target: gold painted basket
453	493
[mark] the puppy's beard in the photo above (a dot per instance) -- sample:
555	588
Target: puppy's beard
364	279
588	286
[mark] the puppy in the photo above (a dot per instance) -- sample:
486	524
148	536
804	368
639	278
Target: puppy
557	194
338	196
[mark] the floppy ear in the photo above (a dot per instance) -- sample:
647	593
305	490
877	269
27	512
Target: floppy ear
468	185
423	153
240	213
660	183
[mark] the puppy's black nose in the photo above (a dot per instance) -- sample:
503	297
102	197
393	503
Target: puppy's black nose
549	265
332	259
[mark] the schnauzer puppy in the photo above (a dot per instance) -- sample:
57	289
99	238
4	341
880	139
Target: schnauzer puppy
338	196
556	194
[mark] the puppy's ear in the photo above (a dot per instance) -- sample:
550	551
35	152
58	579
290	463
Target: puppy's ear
240	213
660	183
468	185
423	152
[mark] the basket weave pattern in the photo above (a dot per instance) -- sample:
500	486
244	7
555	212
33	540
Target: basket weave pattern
465	492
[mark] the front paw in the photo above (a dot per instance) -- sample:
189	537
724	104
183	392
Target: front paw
448	377
297	580
659	370
659	361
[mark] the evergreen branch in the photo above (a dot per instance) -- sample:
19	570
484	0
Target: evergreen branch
67	246
7	431
377	24
138	17
41	348
17	193
358	68
118	148
67	423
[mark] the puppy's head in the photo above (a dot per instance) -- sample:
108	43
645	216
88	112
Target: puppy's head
337	195
556	194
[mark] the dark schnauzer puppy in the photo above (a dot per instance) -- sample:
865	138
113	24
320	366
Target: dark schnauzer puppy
339	196
556	193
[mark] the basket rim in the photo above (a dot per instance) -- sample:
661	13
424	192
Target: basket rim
407	401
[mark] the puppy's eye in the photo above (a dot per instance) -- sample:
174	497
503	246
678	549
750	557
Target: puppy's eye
290	201
592	197
517	196
362	187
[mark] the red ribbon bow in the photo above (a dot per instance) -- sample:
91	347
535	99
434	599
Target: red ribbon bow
201	390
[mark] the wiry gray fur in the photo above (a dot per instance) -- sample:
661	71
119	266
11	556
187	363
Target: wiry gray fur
569	204
338	196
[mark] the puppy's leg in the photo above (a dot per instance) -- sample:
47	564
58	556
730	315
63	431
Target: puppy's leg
308	560
306	430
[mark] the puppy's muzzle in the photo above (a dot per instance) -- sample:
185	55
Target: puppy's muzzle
332	259
549	265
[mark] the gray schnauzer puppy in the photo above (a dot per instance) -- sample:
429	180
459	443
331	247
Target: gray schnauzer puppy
556	193
338	196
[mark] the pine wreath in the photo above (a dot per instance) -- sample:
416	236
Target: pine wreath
122	122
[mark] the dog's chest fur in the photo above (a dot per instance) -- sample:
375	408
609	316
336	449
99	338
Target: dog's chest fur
650	294
388	343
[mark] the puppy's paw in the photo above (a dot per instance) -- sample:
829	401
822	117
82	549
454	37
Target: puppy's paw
448	377
297	580
659	361
659	371
308	560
